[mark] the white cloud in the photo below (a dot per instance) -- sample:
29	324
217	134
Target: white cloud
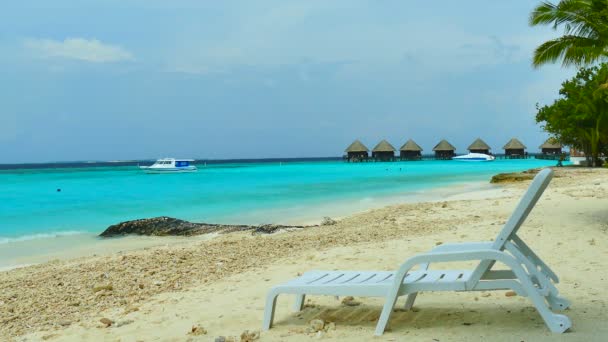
90	50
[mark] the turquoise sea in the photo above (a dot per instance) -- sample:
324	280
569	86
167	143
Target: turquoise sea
91	199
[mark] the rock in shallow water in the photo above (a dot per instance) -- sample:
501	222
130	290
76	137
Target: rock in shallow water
169	226
328	221
514	177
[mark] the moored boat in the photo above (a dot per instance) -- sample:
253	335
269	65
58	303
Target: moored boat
170	165
474	157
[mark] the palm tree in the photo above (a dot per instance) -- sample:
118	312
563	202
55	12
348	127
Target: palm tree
585	39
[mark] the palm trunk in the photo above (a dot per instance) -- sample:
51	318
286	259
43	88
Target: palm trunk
595	142
587	150
594	153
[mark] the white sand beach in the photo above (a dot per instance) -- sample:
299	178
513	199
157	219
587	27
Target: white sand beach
159	293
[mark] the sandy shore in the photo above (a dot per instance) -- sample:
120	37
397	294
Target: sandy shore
24	253
159	293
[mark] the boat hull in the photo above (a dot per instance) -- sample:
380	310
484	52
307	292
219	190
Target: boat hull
169	169
474	157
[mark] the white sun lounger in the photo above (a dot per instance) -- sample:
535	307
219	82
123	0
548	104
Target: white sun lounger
528	275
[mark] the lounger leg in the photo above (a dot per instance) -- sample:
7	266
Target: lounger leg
386	314
410	301
555	322
557	302
271	302
299	304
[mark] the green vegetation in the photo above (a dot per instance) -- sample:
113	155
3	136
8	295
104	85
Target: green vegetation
579	118
585	39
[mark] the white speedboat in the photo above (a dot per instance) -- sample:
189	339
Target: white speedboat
475	157
170	165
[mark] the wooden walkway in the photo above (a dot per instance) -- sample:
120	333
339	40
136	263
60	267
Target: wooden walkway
432	157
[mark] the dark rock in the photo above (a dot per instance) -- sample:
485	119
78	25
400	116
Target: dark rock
511	177
266	229
328	221
106	321
165	226
517	176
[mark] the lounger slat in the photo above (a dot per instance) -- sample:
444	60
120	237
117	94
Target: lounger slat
386	278
451	276
351	278
367	277
317	278
432	276
333	278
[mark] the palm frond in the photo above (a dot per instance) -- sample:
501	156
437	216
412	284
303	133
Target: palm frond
543	14
585	38
572	50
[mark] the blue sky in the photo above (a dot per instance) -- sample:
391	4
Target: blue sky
129	79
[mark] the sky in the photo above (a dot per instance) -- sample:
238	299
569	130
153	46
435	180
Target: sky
136	79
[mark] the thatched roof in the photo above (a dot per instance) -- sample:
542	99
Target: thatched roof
384	146
514	144
444	146
357	146
479	144
410	145
551	143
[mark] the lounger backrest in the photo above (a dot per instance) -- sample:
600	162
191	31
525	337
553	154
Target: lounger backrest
527	202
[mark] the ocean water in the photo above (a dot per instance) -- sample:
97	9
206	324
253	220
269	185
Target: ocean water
91	199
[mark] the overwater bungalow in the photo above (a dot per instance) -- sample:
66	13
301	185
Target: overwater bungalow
384	151
357	152
410	151
514	149
479	146
551	146
444	150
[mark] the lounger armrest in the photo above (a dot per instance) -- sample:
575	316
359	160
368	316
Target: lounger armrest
462	247
466	255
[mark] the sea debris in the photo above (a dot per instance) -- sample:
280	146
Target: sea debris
197	330
350	301
315	325
107	322
130	309
123	323
225	339
250	336
107	287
